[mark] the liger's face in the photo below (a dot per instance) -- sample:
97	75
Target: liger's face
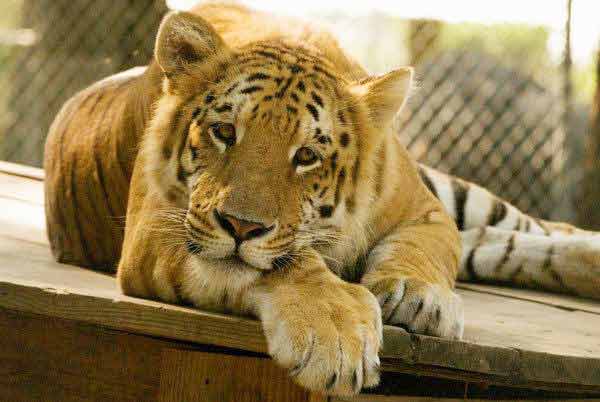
269	158
264	145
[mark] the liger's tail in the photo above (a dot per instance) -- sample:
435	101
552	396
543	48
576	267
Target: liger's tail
503	244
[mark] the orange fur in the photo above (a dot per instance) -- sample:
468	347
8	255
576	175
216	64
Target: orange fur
284	85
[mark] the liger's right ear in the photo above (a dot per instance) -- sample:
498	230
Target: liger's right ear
185	41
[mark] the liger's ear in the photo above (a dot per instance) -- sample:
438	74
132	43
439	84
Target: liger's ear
184	40
385	95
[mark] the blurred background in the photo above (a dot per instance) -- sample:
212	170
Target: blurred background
508	92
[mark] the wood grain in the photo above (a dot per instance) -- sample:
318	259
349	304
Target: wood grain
511	338
48	359
61	360
31	282
192	375
15	169
23	221
22	189
563	301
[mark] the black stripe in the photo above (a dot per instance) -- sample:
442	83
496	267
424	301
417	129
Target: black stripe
295	68
268	55
258	77
196	113
284	88
428	182
547	267
460	196
318	100
340	183
498	213
470	263
177	123
544	228
333	161
313	111
344	139
509	249
252	89
355	170
323	191
322	71
226	107
527	225
515	274
326	211
231	88
518	224
209	98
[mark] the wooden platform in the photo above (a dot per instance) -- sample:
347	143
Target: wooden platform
69	331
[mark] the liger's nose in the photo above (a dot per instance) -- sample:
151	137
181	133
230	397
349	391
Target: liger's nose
241	229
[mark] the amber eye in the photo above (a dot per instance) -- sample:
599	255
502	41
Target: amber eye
305	157
224	132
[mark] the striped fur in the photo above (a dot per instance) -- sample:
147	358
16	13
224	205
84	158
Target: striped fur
250	118
504	245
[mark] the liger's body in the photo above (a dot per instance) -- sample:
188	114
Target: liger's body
258	172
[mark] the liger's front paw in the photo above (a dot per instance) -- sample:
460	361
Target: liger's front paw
328	341
420	307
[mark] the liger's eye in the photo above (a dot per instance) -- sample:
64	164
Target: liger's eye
224	132
305	157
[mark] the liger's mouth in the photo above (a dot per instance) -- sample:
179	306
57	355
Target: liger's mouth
195	249
235	258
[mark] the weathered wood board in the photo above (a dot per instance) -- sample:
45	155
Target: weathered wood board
49	359
512	337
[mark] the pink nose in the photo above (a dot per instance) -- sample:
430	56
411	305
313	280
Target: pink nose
241	229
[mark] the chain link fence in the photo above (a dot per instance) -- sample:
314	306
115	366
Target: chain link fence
74	43
492	105
490	118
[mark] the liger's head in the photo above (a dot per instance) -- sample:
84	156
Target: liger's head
266	146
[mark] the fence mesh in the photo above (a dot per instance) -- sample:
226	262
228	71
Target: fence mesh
490	105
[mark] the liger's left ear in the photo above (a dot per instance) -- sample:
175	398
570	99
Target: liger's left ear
186	40
385	95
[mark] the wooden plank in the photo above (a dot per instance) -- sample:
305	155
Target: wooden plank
530	327
22	203
19	188
23	221
508	338
16	169
47	359
515	380
31	282
198	376
563	301
75	362
112	310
